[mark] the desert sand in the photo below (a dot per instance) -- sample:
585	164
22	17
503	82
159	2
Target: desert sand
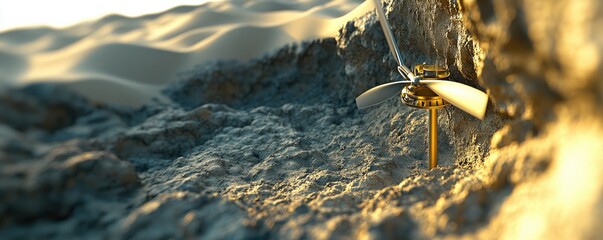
128	61
268	144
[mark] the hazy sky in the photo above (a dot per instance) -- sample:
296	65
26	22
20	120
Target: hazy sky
60	13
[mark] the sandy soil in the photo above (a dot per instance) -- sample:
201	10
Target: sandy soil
274	147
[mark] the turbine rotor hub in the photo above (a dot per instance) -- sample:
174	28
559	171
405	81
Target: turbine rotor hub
420	96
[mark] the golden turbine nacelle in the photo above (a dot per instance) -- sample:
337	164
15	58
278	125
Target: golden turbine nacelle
421	96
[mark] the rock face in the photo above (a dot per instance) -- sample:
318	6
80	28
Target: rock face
275	148
541	61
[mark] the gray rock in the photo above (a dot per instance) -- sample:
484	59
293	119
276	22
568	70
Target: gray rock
53	186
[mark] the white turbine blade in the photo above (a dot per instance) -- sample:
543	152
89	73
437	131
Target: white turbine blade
393	45
389	36
380	94
468	99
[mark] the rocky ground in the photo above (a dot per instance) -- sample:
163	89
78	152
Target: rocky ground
275	148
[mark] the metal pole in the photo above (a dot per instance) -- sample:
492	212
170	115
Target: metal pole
433	138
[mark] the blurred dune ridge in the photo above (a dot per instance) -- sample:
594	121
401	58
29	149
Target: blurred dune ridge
127	61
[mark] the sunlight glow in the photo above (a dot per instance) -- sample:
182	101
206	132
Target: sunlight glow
62	13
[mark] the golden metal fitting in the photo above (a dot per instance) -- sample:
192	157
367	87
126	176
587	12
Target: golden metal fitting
419	96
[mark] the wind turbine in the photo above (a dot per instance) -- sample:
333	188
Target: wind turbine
425	88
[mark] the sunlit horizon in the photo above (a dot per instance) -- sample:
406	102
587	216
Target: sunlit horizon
64	13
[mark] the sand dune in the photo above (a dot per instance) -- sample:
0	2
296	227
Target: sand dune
11	66
127	60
